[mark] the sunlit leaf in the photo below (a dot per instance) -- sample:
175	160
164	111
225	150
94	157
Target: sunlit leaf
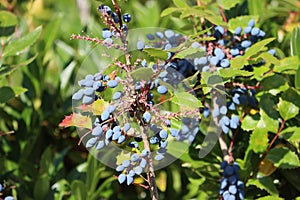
77	120
283	157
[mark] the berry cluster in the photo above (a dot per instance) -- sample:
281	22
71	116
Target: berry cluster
231	188
2	187
112	20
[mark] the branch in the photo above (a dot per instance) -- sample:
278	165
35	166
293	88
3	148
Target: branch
150	174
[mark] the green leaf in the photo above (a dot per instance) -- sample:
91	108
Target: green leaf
289	63
241	21
256	7
257	47
269	197
249	123
8	69
283	157
228	4
15	47
169	11
287	109
229	73
185	99
295	51
291	134
295	41
297	78
142	74
7	93
79	191
41	187
8	21
264	183
180	4
268	113
187	52
259	139
268	58
156	53
274	84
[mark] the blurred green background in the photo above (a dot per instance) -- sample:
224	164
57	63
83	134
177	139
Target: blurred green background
39	160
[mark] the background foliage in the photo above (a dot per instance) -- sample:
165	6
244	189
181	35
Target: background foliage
39	160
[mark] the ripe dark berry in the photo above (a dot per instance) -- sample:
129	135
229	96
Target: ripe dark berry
126	17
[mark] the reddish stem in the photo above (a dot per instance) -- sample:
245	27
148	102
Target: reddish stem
273	140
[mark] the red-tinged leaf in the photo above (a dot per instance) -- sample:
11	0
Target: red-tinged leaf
77	120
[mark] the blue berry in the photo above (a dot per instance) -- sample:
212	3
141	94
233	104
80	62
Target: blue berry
238	30
106	33
108	134
174	132
78	95
126	17
225	63
140	45
255	31
120	168
162	89
117	95
220	29
223	110
228	171
163	134
232	179
246	44
88	100
224	164
240	184
126	163
159	157
97	131
163	144
116	135
154	140
247	30
272	51
169	33
223	183
121	139
261	33
129	179
251	23
100	145
214	60
105	115
160	35
134	157
231	106
122	178
1	187
9	198
115	17
150	36
91	142
112	83
232	189
126	127
89	91
138	170
145	153
206	112
219	53
147	117
143	163
235	52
